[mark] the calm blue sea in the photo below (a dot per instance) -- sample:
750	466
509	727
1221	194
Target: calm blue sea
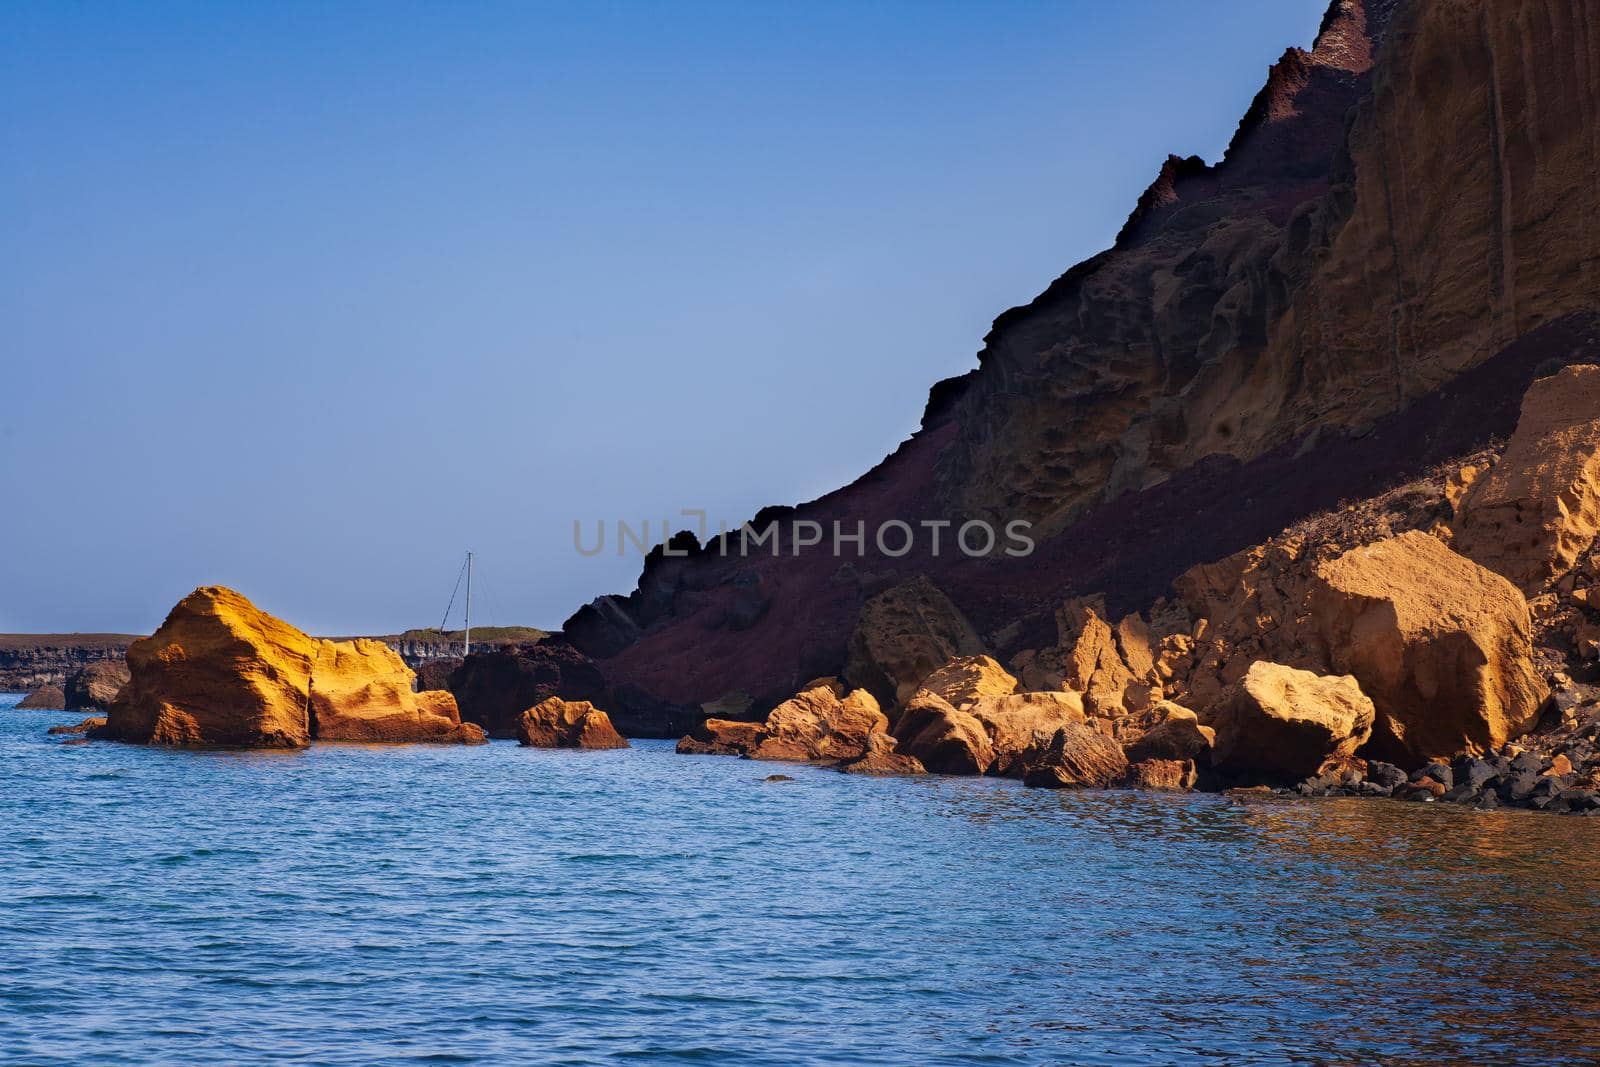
414	905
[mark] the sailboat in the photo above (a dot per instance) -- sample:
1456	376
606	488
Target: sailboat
466	630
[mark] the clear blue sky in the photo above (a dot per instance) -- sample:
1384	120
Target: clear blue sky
308	298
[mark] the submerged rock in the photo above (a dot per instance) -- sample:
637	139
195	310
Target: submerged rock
45	698
557	723
1286	724
220	671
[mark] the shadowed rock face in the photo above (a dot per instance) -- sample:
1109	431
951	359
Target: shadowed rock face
495	687
1404	229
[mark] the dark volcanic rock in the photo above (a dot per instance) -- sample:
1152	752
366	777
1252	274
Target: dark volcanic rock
94	687
28	661
435	673
493	688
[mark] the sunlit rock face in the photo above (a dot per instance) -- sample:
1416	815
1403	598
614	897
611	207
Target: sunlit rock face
1532	514
220	671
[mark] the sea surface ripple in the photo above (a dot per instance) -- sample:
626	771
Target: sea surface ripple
432	905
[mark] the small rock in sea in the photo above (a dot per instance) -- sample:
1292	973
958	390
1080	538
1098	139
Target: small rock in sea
777	778
46	698
93	722
1370	788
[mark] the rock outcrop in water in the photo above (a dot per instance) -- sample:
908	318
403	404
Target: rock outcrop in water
45	698
822	722
220	671
1259	444
557	723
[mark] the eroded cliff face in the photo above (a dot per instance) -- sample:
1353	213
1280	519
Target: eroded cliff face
1403	234
1317	277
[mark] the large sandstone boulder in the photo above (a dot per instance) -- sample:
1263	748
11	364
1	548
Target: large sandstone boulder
968	679
1441	645
1283	723
362	691
45	698
220	671
904	634
1078	757
557	723
95	686
821	722
945	739
1022	725
1538	509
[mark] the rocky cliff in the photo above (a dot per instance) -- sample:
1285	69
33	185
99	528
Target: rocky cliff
1403	234
29	661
